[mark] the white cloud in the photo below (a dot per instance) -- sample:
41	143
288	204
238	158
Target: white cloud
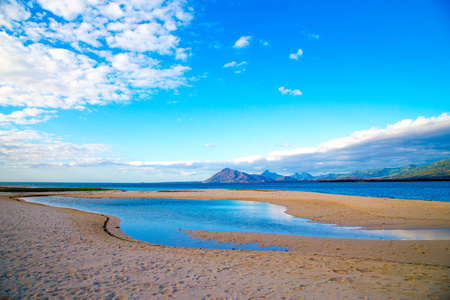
68	9
285	91
234	64
210	145
310	36
183	53
264	43
407	141
230	64
102	53
40	76
29	148
113	11
242	42
27	116
144	37
12	12
313	36
296	55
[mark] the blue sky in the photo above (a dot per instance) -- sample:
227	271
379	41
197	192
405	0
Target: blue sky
132	91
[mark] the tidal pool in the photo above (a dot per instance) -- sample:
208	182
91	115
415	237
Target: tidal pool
164	221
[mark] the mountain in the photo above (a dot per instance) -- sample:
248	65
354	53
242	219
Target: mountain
378	173
437	170
286	178
272	175
329	176
232	176
302	176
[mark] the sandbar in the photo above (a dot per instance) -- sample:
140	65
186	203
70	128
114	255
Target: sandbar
48	252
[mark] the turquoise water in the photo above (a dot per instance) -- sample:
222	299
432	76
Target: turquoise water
417	190
164	221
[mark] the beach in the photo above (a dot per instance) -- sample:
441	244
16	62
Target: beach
49	252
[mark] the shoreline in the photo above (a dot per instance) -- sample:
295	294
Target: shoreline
69	253
388	249
342	210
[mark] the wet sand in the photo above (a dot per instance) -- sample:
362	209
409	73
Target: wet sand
63	253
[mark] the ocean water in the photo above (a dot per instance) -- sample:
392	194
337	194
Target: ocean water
416	190
165	221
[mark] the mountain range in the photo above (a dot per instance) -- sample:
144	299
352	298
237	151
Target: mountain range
437	170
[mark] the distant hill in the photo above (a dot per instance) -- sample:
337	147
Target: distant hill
302	176
286	178
437	170
272	175
232	176
328	176
378	173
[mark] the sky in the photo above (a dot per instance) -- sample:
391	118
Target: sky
157	91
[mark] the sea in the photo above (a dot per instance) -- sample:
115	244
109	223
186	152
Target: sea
412	190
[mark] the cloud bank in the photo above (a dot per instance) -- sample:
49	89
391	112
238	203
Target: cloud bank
60	54
419	141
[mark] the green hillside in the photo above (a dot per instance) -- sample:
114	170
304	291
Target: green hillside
378	173
438	169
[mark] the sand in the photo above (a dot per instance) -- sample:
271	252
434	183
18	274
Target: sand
48	252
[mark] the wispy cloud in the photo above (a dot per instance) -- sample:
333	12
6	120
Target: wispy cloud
313	36
264	43
286	91
242	42
230	64
210	145
296	55
234	64
310	35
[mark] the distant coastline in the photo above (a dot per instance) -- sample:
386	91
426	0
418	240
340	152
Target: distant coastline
379	180
436	171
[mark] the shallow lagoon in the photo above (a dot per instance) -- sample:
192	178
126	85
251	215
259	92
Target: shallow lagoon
164	221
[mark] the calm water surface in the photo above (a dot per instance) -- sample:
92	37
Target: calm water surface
163	221
418	190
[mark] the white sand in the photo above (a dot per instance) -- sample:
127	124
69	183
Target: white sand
62	253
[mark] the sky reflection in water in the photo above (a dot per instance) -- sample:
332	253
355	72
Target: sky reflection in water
163	221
